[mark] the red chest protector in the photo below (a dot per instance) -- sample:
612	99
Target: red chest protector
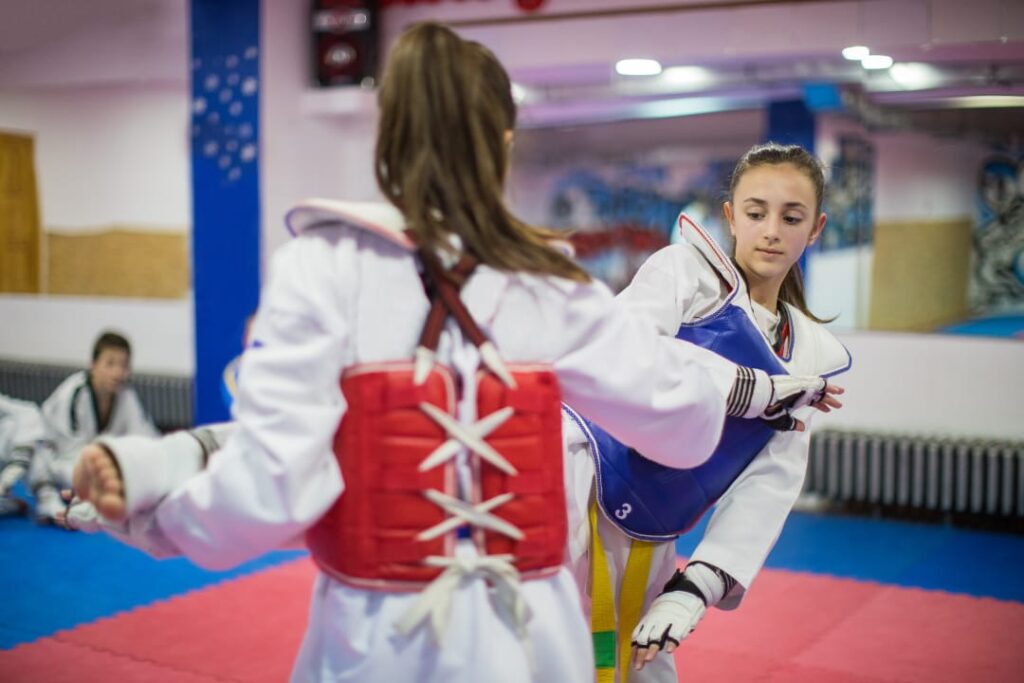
401	511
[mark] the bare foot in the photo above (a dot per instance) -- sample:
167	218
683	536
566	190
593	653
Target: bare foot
97	479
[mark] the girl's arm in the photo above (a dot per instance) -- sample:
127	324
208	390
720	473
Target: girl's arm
749	517
277	474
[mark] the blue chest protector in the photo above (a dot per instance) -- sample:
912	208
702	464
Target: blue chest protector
652	502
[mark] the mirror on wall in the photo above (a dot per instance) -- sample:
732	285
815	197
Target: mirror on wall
924	166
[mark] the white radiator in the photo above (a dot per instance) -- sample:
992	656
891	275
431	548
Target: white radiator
167	398
949	475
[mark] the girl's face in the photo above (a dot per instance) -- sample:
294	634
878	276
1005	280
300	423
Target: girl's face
772	217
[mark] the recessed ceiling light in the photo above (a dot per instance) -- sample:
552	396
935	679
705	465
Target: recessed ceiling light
876	62
915	75
988	101
637	67
686	75
518	93
856	52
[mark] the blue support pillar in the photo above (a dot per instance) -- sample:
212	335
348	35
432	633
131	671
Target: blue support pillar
225	38
790	122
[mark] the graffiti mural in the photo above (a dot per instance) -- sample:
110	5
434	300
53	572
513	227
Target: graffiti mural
849	195
997	281
618	216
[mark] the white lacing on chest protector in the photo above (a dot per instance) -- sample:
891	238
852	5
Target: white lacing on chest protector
435	600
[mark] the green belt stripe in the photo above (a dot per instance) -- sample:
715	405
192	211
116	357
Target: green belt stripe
604	649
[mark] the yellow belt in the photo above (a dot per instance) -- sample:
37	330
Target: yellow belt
611	638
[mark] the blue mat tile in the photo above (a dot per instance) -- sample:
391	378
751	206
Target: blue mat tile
55	579
899	553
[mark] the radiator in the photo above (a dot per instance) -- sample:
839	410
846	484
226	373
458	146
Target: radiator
167	398
927	473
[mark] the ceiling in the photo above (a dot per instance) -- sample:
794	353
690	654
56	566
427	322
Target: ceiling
29	25
736	55
750	53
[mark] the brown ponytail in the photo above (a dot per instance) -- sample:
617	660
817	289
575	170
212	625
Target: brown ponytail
445	108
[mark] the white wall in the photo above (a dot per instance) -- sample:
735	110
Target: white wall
838	285
305	152
932	384
917	177
901	382
61	330
920	177
114	154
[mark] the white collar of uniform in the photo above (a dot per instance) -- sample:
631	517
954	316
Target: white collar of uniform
691	232
379	218
482	292
816	351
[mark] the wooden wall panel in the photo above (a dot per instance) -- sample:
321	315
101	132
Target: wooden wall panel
919	274
119	262
19	215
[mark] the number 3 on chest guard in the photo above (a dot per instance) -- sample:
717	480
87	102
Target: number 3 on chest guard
623	511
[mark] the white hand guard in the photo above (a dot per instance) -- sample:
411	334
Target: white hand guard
671	617
773	398
80	516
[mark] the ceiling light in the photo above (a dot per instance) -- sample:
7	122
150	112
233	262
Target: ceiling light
856	52
915	75
637	67
518	93
988	101
686	75
876	62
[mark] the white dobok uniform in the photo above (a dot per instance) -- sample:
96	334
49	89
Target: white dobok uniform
678	285
71	423
21	428
346	291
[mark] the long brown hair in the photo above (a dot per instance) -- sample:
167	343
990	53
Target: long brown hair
773	154
445	108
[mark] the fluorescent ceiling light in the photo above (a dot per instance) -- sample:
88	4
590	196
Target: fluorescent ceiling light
637	67
915	75
856	52
988	101
518	93
686	75
876	62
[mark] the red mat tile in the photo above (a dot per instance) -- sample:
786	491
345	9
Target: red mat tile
793	628
54	661
901	632
246	630
783	614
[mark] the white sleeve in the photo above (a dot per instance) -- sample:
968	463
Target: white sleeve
153	466
26	420
651	294
650	391
277	474
672	286
749	517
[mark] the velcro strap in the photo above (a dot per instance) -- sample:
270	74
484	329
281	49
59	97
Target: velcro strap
679	582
